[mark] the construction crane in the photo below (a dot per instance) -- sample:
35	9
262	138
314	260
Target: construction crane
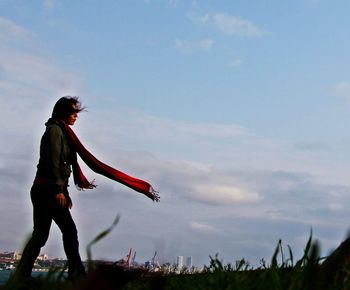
133	262
128	257
153	259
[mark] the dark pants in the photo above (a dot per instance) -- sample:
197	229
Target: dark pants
46	210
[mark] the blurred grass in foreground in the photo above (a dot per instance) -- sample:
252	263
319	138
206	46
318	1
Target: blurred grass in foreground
280	273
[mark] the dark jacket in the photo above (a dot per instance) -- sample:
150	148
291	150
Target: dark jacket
55	160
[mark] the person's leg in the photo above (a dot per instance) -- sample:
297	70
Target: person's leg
63	219
42	223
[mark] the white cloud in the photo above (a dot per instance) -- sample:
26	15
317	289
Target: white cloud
198	182
336	206
50	5
222	194
236	62
28	76
10	31
173	3
30	82
312	146
233	25
186	46
203	228
215	130
342	89
229	24
30	69
155	127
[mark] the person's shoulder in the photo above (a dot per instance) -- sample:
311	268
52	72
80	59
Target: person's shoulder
53	127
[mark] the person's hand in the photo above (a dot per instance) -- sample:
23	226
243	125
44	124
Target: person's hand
61	200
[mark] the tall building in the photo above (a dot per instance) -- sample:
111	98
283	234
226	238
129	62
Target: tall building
180	262
189	262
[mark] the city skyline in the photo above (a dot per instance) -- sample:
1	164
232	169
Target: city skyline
11	257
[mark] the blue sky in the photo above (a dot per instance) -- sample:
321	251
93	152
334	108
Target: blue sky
237	111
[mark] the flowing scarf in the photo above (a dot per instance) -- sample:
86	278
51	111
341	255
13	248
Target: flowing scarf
101	168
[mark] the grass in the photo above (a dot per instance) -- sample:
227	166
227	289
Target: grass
282	272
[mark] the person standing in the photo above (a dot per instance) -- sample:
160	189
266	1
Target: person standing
49	193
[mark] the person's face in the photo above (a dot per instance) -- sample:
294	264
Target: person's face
70	120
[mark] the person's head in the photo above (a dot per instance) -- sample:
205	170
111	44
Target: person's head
67	109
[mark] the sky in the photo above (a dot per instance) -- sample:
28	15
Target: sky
237	112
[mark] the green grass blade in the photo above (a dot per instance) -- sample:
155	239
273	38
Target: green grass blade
98	238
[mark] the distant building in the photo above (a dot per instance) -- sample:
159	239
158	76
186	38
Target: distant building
180	262
16	256
43	257
189	262
10	255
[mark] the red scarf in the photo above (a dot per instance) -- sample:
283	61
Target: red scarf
102	168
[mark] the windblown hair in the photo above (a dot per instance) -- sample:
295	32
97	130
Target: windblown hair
65	106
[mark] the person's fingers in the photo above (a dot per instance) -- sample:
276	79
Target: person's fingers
63	202
61	199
